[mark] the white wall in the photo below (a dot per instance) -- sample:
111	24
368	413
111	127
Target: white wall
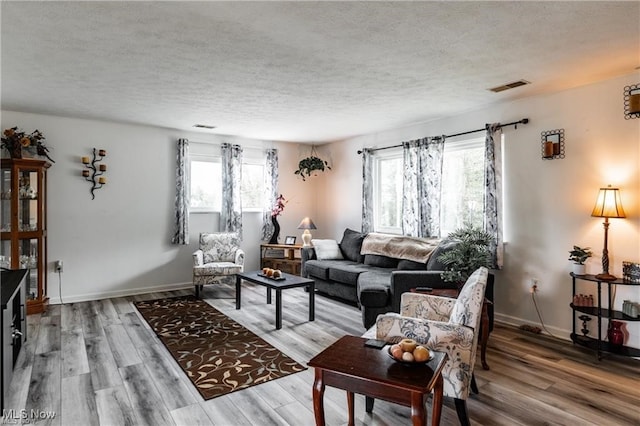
547	203
119	243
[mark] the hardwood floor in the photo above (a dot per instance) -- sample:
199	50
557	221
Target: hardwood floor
97	363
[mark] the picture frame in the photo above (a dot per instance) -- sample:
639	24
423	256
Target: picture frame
290	240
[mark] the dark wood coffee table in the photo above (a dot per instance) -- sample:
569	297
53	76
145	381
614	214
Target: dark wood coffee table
348	364
290	281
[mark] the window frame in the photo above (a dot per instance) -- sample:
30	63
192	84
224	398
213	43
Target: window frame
379	157
203	158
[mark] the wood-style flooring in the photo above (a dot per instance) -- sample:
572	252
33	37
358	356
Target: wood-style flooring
97	363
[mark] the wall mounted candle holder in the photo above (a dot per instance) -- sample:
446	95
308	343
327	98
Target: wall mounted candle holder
632	102
552	144
94	171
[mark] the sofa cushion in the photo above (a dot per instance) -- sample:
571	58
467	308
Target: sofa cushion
434	264
346	272
327	249
373	287
320	268
351	244
380	261
410	265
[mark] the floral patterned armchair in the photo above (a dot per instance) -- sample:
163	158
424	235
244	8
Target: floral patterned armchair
218	258
445	325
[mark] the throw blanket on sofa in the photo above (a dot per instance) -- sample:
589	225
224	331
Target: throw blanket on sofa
399	247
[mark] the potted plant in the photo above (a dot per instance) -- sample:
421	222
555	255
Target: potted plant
470	250
578	256
311	164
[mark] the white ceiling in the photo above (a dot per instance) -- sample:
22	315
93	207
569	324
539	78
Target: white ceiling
302	71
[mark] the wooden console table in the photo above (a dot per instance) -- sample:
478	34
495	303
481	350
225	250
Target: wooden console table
484	319
285	257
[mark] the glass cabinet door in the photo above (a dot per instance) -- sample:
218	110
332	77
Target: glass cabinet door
28	219
5	200
29	257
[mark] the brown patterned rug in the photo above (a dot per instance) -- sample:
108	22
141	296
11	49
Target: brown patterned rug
218	354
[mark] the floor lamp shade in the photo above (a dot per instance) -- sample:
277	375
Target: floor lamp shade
306	224
608	205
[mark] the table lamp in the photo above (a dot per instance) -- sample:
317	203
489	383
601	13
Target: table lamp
607	205
306	224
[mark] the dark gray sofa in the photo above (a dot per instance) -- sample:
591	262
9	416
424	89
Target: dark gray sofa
375	282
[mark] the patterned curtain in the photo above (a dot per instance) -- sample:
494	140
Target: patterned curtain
231	212
493	193
421	187
183	175
271	189
367	190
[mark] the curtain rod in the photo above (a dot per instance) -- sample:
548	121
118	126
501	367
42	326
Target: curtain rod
514	123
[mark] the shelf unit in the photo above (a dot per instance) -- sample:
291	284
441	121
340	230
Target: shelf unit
598	311
281	256
23	229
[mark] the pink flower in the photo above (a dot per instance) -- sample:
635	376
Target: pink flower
279	207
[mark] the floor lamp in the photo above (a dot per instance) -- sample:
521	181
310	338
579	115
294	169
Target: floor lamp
608	205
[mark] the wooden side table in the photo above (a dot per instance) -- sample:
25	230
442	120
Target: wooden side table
372	372
484	319
285	257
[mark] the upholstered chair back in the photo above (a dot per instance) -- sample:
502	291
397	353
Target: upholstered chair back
219	247
468	307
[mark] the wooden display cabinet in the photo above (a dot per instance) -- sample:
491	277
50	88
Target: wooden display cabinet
23	244
281	256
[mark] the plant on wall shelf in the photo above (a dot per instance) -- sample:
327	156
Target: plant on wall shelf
579	255
311	164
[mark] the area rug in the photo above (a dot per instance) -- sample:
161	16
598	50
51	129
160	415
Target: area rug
217	354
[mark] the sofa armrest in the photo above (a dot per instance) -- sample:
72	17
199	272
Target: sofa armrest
306	253
404	281
239	260
198	258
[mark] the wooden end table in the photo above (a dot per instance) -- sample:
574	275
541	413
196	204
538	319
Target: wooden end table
350	365
289	281
484	319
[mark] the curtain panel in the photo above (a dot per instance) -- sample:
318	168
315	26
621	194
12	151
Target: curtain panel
421	186
493	193
231	211
367	190
182	201
271	190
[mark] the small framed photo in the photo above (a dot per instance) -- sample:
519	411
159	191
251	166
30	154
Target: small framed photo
290	240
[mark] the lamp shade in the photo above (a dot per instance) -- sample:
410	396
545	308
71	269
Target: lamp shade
307	224
608	203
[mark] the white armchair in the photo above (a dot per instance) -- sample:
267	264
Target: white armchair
445	325
218	258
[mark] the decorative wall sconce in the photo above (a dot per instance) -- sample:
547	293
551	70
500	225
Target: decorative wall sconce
94	171
552	144
632	101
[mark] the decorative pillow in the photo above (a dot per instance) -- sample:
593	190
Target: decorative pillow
380	261
327	250
351	244
434	264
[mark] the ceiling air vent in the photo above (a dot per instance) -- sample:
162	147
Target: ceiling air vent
508	86
204	126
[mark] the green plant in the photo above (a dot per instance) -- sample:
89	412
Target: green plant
468	251
579	255
311	164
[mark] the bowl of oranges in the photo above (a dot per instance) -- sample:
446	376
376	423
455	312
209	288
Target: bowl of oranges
410	352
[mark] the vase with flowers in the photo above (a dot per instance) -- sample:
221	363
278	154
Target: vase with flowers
275	212
17	141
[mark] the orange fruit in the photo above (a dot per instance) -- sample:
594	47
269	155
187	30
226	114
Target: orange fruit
421	354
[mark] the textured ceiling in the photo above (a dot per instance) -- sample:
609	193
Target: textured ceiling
302	71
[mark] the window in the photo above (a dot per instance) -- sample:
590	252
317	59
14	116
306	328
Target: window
387	193
462	199
462	187
206	184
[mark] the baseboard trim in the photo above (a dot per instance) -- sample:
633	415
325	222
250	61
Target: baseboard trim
119	293
517	322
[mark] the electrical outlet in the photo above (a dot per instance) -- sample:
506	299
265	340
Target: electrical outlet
534	285
59	266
